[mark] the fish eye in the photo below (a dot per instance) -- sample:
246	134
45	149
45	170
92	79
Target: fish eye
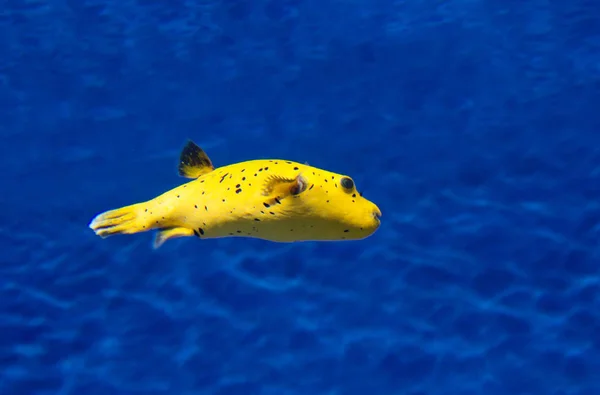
347	183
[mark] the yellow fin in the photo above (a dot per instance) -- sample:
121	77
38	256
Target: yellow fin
193	161
124	220
277	187
170	233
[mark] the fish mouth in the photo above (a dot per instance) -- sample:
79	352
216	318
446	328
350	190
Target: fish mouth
377	215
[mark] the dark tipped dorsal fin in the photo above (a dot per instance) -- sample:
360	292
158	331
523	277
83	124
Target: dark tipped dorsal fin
193	161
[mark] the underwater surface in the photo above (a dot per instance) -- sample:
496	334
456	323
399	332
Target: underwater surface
473	125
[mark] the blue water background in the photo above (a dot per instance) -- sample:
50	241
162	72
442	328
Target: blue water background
474	125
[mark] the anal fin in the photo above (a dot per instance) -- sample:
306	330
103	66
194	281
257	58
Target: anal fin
193	161
170	233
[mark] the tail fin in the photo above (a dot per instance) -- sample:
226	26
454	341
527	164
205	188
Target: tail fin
124	220
140	217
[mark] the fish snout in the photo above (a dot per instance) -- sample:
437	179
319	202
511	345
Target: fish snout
377	214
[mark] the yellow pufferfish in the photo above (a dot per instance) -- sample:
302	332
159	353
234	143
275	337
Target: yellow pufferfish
270	199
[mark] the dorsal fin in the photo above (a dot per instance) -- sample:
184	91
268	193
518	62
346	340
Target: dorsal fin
277	187
193	161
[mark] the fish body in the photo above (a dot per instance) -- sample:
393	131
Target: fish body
271	199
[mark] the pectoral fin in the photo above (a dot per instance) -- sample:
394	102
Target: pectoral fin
193	161
277	188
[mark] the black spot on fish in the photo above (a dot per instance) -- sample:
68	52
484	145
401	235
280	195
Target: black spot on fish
203	192
335	184
238	231
277	201
243	178
256	219
311	187
288	162
354	195
185	186
202	181
201	231
237	186
196	233
346	231
206	208
260	169
328	201
266	168
223	200
177	196
243	170
295	167
275	162
262	212
238	190
272	213
146	210
230	234
255	174
267	205
223	177
195	205
326	180
353	201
